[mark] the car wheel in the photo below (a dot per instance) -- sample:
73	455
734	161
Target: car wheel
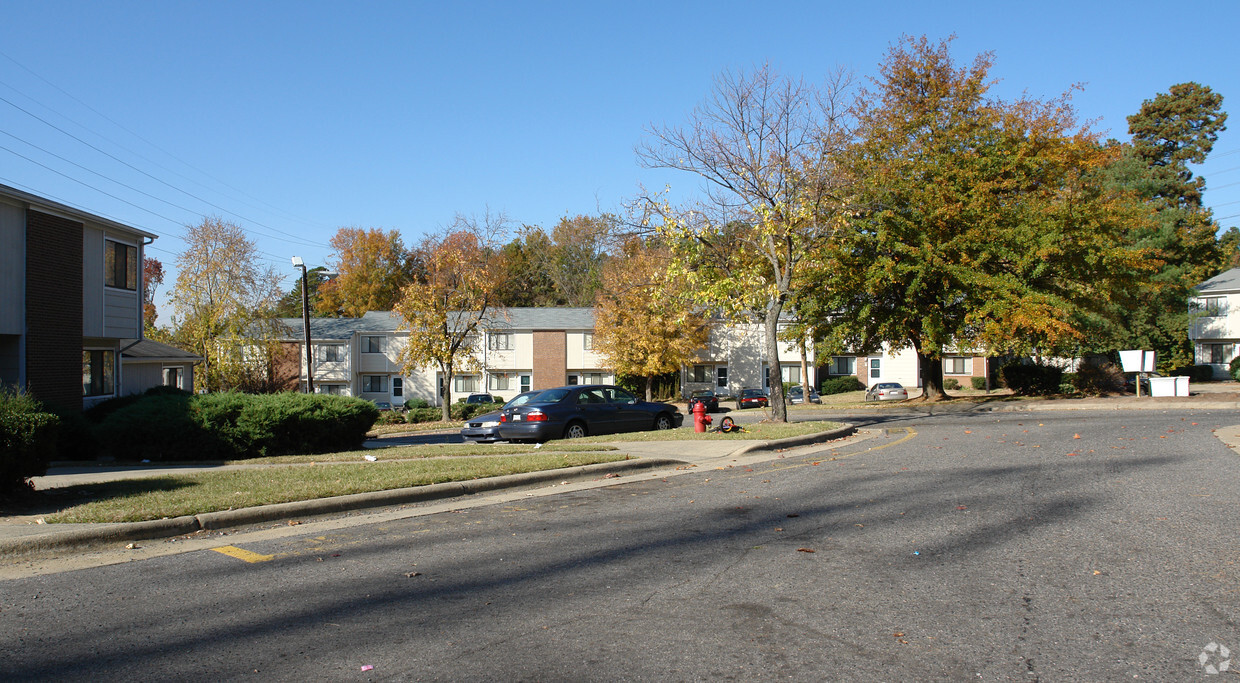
663	421
575	430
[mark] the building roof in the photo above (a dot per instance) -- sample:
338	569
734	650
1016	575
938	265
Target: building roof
1226	281
41	203
320	328
152	351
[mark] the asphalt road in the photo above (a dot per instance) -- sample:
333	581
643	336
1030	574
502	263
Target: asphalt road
993	547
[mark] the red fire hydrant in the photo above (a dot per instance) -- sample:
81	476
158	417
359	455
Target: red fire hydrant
700	418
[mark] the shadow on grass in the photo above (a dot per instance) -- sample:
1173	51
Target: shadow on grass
54	500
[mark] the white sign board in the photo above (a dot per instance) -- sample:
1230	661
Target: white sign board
1137	360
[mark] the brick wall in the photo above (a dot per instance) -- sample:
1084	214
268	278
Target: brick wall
286	367
54	309
550	359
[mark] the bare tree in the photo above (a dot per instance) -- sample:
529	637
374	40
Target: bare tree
768	150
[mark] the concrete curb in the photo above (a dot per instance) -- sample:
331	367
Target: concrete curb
105	534
795	441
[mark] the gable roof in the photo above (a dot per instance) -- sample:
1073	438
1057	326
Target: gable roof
152	351
1226	281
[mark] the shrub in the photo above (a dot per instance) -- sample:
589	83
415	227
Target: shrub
464	411
951	383
424	414
1096	379
27	441
1202	373
1067	383
840	385
978	383
390	417
75	437
180	426
415	403
1032	379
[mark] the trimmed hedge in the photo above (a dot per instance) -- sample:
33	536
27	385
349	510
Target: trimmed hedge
951	383
1031	380
840	385
27	441
978	383
230	425
1202	373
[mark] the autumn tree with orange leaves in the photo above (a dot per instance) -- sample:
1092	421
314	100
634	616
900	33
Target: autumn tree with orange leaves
372	267
645	324
457	292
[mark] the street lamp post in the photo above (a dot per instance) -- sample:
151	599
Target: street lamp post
305	322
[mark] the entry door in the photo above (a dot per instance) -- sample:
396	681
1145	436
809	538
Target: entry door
875	370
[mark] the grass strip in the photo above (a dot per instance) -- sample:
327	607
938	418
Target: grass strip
135	500
428	451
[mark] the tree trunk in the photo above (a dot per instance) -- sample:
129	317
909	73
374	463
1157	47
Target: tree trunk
779	409
931	377
650	388
804	373
447	393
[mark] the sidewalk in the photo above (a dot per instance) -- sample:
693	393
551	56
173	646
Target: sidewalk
22	536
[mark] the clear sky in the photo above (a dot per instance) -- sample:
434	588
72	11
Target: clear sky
293	119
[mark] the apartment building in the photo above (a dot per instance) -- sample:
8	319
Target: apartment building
1214	321
70	299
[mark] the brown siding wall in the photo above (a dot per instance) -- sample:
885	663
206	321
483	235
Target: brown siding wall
550	359
286	367
54	309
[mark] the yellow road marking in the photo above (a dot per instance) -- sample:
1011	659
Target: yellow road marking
243	555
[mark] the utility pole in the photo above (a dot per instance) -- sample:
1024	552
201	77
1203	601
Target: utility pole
305	323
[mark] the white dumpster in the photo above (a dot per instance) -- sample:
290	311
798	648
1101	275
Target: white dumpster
1181	386
1162	386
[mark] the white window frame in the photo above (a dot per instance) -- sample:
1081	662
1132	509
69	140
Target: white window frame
398	386
701	374
950	363
721	376
1212	306
842	366
133	265
178	372
587	341
500	341
330	350
460	386
500	381
368	384
375	341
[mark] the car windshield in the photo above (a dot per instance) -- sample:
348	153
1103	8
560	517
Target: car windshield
889	385
552	396
703	394
751	392
522	399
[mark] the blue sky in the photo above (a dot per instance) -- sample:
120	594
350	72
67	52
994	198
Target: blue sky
293	119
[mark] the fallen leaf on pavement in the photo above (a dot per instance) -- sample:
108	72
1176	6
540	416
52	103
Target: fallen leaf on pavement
1076	436
805	550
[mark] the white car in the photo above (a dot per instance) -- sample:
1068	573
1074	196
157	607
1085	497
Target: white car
886	391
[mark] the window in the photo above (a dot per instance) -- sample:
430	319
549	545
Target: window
1212	305
500	341
574	379
372	344
98	372
333	389
120	265
525	383
955	365
700	373
587	341
875	367
721	376
398	386
332	353
500	381
792	374
843	365
374	384
1220	354
591	378
173	377
465	384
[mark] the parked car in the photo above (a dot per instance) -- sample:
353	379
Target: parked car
704	396
582	410
480	398
752	398
793	395
886	391
385	407
485	428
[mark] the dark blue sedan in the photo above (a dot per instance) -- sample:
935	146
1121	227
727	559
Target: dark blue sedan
584	410
484	428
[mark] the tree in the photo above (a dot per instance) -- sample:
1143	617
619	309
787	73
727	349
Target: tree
644	324
372	267
570	258
767	150
985	223
222	301
289	305
446	307
152	277
1169	132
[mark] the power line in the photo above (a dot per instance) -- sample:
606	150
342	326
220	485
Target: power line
139	137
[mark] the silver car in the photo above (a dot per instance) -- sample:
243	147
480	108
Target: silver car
886	391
